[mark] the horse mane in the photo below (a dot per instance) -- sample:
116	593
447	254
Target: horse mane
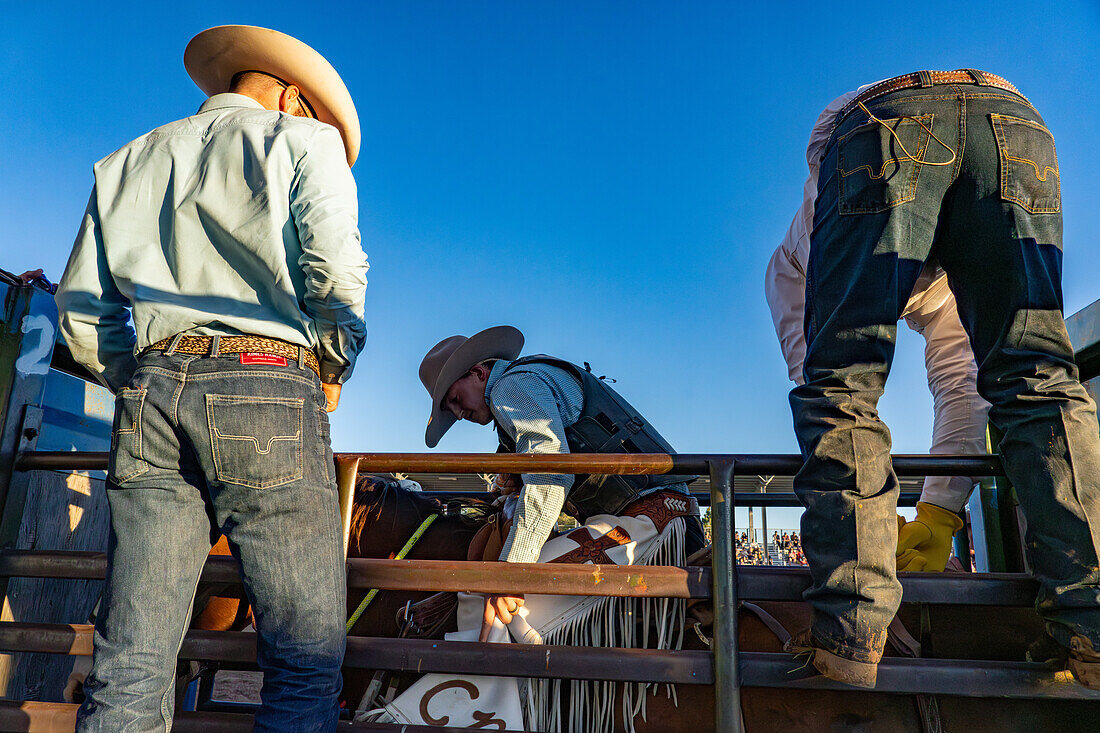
375	496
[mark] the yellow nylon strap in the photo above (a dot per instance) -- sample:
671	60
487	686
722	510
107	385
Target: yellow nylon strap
399	556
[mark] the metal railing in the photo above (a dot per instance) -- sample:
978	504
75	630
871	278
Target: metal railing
725	667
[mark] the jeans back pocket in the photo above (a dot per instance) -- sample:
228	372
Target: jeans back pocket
127	461
1029	164
256	441
878	163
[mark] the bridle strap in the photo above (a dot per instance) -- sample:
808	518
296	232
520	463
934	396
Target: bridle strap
399	556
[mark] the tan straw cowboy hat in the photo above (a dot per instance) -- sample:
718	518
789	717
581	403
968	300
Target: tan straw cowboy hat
215	55
453	357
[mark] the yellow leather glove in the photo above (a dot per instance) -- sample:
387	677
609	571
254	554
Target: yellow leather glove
925	543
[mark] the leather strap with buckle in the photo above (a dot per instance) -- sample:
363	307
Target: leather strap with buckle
204	345
928	78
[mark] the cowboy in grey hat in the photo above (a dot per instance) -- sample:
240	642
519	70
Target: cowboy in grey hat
541	404
230	240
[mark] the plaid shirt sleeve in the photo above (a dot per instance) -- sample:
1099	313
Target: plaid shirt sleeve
524	405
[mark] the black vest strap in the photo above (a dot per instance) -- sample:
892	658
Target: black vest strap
607	424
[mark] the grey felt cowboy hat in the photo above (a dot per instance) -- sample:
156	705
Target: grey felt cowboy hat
215	55
453	357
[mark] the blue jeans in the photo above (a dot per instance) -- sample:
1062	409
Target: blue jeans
203	446
964	174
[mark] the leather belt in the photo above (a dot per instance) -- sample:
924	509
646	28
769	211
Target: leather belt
927	79
239	345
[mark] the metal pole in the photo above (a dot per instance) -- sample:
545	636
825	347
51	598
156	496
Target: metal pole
727	684
764	530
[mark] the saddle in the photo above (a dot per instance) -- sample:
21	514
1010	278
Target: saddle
489	540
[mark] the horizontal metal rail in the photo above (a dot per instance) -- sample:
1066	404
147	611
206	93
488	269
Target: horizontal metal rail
744	498
756	583
59	717
955	677
760	464
410	655
730	669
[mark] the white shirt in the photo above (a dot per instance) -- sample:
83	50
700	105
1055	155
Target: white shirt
960	413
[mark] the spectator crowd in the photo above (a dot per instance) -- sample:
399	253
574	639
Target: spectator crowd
784	549
749	553
790	548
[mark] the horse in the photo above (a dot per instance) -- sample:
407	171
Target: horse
384	517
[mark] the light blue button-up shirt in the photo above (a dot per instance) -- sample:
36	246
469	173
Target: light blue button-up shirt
236	220
534	404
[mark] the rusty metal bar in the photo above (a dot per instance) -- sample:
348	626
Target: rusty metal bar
727	685
744	498
762	464
914	676
757	583
58	717
410	655
632	581
954	677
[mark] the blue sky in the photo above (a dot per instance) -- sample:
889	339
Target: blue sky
610	177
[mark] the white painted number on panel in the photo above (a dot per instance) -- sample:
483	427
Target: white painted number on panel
36	360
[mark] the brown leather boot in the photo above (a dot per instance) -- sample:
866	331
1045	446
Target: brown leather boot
833	666
1084	662
1081	659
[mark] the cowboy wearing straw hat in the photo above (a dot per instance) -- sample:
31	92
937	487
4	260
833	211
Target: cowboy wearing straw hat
541	404
230	238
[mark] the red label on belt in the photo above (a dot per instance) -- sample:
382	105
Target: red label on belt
255	357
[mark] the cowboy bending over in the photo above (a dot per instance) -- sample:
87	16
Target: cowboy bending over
544	405
959	167
959	425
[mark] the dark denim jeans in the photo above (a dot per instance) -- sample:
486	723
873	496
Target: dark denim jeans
205	446
990	213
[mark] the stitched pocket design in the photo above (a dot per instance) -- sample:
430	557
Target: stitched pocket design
875	172
1029	164
257	441
127	462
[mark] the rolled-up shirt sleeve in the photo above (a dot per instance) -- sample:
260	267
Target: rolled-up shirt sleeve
785	279
785	290
524	405
325	209
960	412
93	315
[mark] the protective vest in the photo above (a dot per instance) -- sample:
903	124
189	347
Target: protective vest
608	424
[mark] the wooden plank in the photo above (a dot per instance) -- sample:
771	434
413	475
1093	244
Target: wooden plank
64	512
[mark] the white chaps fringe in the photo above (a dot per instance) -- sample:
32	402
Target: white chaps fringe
559	706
